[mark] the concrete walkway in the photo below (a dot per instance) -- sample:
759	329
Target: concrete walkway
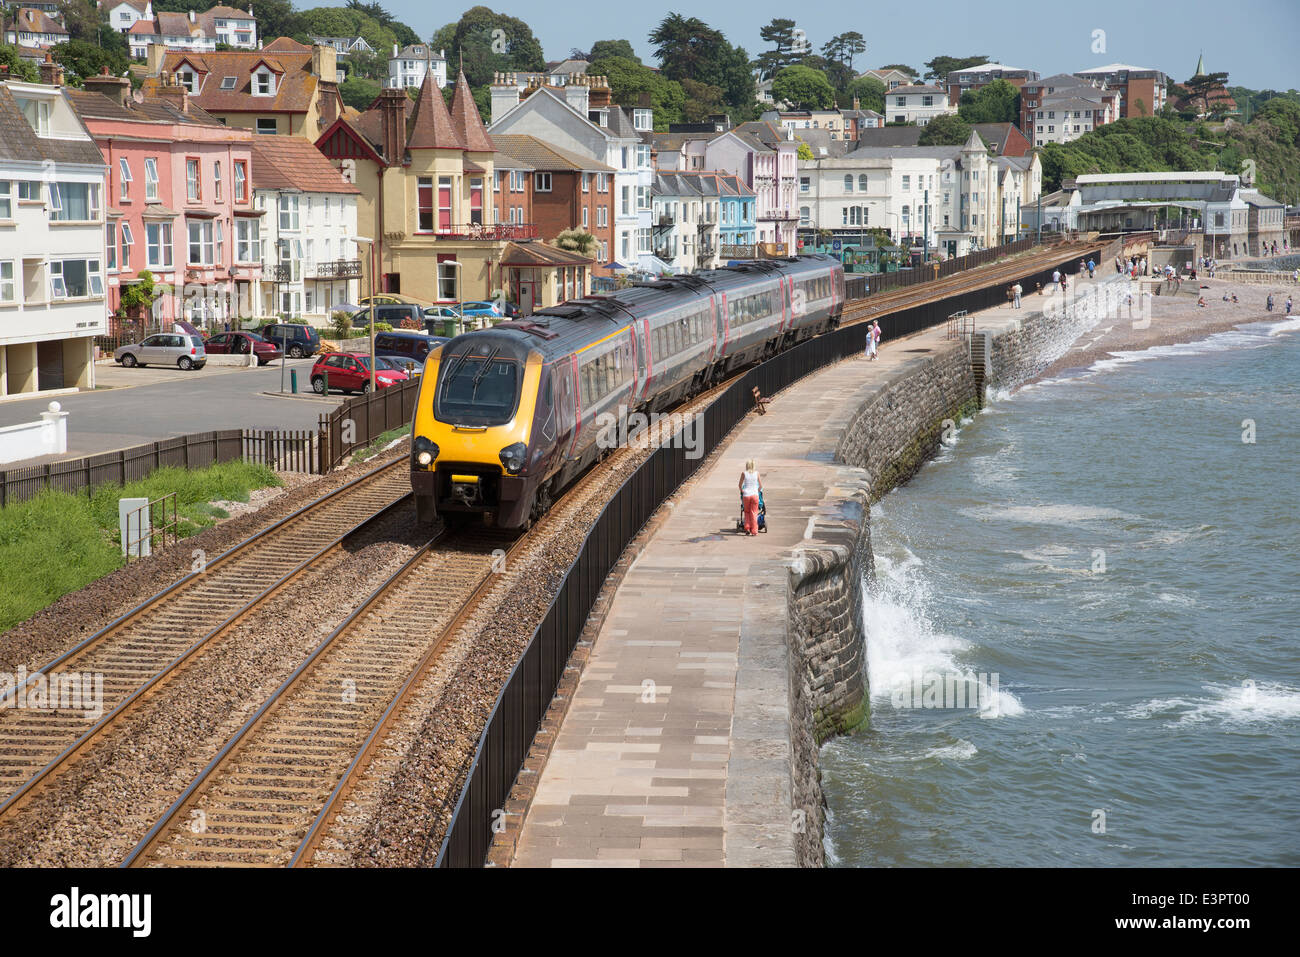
675	748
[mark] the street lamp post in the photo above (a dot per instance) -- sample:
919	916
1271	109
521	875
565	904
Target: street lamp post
371	310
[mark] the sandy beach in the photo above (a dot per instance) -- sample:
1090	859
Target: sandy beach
1177	318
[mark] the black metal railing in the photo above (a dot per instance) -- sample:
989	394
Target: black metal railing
360	420
335	269
527	693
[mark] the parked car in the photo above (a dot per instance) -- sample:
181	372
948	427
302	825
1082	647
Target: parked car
296	339
406	346
164	348
480	309
392	299
241	343
349	372
391	314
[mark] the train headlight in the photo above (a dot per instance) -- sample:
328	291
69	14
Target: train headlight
423	452
513	456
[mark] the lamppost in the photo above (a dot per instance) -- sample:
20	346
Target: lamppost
371	310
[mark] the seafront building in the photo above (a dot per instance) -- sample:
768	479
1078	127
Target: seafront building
53	291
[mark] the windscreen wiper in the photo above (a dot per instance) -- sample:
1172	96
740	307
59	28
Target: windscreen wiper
478	376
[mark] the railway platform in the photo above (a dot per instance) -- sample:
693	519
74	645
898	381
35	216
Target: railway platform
675	748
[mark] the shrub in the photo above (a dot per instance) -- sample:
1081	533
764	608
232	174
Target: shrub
410	323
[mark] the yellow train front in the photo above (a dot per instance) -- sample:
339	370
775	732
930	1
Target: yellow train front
470	451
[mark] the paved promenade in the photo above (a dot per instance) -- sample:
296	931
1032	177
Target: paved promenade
675	748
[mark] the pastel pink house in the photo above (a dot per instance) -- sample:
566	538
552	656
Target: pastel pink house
179	193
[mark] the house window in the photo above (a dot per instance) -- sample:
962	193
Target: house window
643	157
267	124
927	100
192	183
848	182
446	281
803	215
288	212
586	182
263	83
327	205
75	278
627	200
29	190
228	82
805	185
496	181
643	119
125	179
476	200
187	79
907	182
542	182
220	236
150	179
128	240
216	181
74	202
7	281
241	181
584	217
900	101
444	203
247	240
602	182
110	245
862	182
602	215
158	245
200	251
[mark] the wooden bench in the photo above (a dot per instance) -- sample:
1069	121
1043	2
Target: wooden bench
760	401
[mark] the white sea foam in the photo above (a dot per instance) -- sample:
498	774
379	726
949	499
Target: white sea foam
959	751
1046	514
904	644
1246	703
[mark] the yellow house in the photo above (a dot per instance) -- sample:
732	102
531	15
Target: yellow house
286	88
425	173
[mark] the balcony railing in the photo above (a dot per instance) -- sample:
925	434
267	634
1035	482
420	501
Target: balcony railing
335	269
729	251
665	219
778	215
497	232
665	254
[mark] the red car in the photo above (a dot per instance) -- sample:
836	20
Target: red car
239	343
350	372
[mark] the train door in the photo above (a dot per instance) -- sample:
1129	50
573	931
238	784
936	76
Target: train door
564	372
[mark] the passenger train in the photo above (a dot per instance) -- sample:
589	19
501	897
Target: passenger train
507	417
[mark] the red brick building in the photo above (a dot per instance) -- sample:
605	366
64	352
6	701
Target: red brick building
1143	87
553	188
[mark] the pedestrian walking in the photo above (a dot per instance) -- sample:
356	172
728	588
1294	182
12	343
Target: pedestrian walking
751	486
1016	290
875	338
1288	305
1269	303
1056	278
1092	267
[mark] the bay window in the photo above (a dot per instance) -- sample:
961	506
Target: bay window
200	242
424	204
247	240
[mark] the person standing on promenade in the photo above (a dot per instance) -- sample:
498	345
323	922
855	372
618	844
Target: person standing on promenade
875	338
1016	290
1092	267
750	487
1056	278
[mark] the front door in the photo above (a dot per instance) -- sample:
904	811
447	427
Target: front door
528	293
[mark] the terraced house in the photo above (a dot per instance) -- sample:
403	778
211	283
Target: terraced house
53	297
425	175
701	218
285	88
34	29
179	191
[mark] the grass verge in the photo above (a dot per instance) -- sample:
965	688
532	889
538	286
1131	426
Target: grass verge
56	542
377	446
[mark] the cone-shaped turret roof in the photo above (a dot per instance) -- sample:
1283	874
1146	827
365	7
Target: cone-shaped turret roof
430	126
465	117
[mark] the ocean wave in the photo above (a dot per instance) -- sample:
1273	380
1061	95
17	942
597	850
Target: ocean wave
1047	514
1245	703
961	750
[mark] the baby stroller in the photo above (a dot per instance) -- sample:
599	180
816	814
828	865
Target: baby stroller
762	514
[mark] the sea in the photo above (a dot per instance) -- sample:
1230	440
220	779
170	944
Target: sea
1083	636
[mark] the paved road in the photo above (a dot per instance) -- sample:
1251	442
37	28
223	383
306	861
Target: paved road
132	406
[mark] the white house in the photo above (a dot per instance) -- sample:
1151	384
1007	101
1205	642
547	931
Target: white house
917	104
687	216
173	31
407	66
309	253
236	28
123	14
345	46
581	117
52	290
34	28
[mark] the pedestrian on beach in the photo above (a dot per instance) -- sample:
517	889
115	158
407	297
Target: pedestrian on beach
750	488
1016	290
1288	305
1269	304
1119	264
1234	297
1201	302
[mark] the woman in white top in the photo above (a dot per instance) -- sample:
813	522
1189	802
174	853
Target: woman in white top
750	486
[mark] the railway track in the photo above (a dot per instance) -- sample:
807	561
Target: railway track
141	650
270	795
920	294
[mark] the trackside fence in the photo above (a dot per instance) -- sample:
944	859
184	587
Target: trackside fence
528	691
362	419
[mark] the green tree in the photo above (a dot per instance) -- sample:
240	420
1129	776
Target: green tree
138	297
81	59
803	88
81	20
941	66
358	92
489	42
998	102
947	129
869	91
805	151
702	100
1201	86
845	48
19	68
628	79
603	49
788	47
576	240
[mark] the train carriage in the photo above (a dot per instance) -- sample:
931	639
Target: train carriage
507	417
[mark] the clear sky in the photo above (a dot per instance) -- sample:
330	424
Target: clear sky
1256	41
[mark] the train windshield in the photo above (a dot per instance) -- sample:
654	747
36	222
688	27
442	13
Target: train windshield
478	386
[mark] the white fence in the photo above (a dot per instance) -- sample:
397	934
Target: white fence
27	440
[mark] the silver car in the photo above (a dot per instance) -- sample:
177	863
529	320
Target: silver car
165	348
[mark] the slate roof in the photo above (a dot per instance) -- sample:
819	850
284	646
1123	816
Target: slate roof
29	20
466	119
541	254
429	127
915	88
538	154
156	109
889	136
18	141
291	162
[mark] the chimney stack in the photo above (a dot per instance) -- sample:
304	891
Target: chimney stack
392	105
51	72
175	93
116	88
